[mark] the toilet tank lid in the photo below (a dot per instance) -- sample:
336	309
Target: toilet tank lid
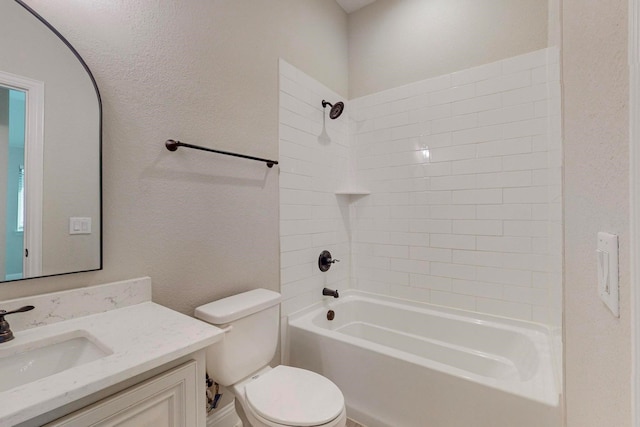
235	307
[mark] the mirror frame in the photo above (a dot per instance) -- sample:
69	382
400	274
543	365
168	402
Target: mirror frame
99	99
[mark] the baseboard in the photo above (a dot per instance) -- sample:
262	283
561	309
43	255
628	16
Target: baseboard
224	417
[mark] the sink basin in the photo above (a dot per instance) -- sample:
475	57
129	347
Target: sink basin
25	363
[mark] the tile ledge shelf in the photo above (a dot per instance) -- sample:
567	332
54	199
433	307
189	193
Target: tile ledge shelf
352	192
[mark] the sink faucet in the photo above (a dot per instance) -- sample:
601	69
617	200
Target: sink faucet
330	293
5	330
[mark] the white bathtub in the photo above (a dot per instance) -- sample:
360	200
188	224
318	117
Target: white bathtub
405	364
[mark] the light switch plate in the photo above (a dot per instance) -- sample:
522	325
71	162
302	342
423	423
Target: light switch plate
607	259
79	225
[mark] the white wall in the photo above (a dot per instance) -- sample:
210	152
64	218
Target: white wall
314	155
396	42
475	222
203	226
476	226
596	143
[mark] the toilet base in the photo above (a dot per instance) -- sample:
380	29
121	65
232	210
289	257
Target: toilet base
225	416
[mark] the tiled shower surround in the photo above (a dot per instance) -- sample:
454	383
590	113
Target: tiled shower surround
464	175
314	162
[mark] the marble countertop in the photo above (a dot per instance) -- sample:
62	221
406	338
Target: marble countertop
140	337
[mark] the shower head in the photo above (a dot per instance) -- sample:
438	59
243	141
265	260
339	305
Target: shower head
336	109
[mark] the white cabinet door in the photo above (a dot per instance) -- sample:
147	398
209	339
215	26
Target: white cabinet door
167	400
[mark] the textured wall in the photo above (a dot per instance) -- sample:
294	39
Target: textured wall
596	91
201	225
395	42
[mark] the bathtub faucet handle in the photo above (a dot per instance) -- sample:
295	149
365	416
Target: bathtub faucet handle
330	293
325	260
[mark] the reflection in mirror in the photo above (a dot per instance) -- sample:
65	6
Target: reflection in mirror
50	142
12	140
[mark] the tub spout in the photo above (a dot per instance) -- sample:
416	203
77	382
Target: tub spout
330	292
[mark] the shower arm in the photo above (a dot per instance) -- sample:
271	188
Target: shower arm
336	109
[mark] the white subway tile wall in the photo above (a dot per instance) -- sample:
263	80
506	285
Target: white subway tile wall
464	172
314	163
465	205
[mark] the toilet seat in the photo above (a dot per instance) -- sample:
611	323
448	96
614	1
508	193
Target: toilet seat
290	396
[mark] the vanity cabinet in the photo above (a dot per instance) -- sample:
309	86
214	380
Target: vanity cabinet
166	400
151	369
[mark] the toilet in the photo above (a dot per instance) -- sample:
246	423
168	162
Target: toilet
270	397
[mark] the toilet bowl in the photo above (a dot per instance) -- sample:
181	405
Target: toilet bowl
283	396
287	396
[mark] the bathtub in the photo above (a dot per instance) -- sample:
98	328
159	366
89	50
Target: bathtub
406	364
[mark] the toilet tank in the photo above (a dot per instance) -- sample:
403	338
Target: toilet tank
251	320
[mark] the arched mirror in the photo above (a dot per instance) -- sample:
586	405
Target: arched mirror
50	151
